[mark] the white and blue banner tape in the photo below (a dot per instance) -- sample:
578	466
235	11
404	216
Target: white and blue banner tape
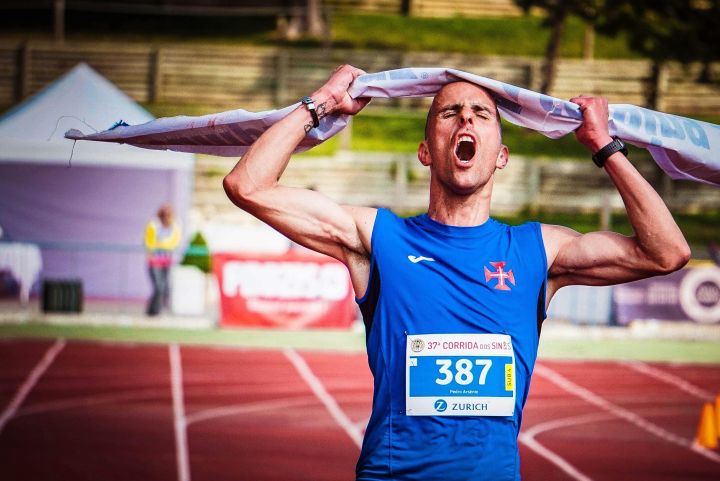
684	148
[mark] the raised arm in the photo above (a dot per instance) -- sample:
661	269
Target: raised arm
305	216
603	258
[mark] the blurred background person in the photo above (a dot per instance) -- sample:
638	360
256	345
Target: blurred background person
162	236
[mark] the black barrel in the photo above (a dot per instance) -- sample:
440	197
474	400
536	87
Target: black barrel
64	295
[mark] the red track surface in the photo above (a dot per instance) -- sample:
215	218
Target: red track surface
105	411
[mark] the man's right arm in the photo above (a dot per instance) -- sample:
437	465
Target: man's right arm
305	216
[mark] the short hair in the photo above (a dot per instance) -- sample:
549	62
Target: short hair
497	112
165	210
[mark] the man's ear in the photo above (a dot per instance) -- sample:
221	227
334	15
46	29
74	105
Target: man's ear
424	153
503	157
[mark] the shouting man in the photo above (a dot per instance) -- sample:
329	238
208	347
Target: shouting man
453	300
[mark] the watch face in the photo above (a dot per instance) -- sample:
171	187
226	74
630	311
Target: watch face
307	100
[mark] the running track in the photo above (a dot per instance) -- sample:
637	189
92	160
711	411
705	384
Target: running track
82	410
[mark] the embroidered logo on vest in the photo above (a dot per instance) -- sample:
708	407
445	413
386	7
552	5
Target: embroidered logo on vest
501	275
416	259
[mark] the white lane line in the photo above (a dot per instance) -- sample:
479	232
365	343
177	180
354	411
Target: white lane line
622	413
564	466
89	401
248	408
181	445
30	381
361	425
325	397
528	438
671	379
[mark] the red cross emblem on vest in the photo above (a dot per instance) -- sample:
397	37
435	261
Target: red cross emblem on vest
500	275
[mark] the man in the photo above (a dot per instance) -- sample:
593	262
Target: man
162	236
453	281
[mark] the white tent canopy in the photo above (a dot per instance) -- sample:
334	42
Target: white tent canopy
89	219
84	99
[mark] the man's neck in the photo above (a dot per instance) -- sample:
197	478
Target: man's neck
460	210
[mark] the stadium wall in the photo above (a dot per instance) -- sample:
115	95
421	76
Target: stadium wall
258	78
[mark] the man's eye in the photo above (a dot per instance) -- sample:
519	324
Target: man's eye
449	114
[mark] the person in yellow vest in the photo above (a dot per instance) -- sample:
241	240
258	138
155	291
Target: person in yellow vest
162	236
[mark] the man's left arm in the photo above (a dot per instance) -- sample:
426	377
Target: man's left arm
603	258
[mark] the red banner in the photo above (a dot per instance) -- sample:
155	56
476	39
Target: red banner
292	291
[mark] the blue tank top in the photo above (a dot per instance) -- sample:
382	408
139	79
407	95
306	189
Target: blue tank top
430	278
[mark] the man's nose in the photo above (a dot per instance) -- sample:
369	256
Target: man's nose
466	116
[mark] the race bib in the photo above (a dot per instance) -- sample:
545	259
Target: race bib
460	375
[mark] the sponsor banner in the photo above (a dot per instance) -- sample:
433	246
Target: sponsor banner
689	294
294	290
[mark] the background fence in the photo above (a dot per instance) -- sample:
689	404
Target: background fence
428	8
261	78
421	8
258	78
398	181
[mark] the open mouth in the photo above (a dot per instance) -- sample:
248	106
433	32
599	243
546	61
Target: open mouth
465	148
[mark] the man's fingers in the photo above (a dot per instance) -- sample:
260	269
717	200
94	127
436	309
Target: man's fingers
361	102
581	100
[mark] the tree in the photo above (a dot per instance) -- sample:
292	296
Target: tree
557	12
306	20
663	31
708	38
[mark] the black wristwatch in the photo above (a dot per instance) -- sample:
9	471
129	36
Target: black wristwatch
602	155
310	104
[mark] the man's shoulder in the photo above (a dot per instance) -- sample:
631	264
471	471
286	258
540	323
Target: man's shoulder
527	225
557	232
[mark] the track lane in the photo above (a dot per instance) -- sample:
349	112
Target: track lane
264	441
621	450
120	440
104	411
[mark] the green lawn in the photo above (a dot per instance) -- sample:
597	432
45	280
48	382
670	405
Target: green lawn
658	350
402	131
699	229
342	340
550	348
379	129
521	36
398	131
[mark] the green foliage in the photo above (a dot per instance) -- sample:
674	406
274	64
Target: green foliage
398	131
557	12
520	36
586	9
329	147
699	229
665	350
402	132
388	132
198	254
679	30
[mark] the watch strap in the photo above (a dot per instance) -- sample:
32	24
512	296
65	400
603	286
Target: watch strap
309	103
617	145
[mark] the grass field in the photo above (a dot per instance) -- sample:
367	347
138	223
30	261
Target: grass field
381	130
551	347
521	36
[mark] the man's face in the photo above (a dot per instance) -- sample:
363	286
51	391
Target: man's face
463	146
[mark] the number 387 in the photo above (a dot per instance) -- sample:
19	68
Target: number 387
462	372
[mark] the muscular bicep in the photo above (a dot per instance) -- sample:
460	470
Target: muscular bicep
313	220
595	258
